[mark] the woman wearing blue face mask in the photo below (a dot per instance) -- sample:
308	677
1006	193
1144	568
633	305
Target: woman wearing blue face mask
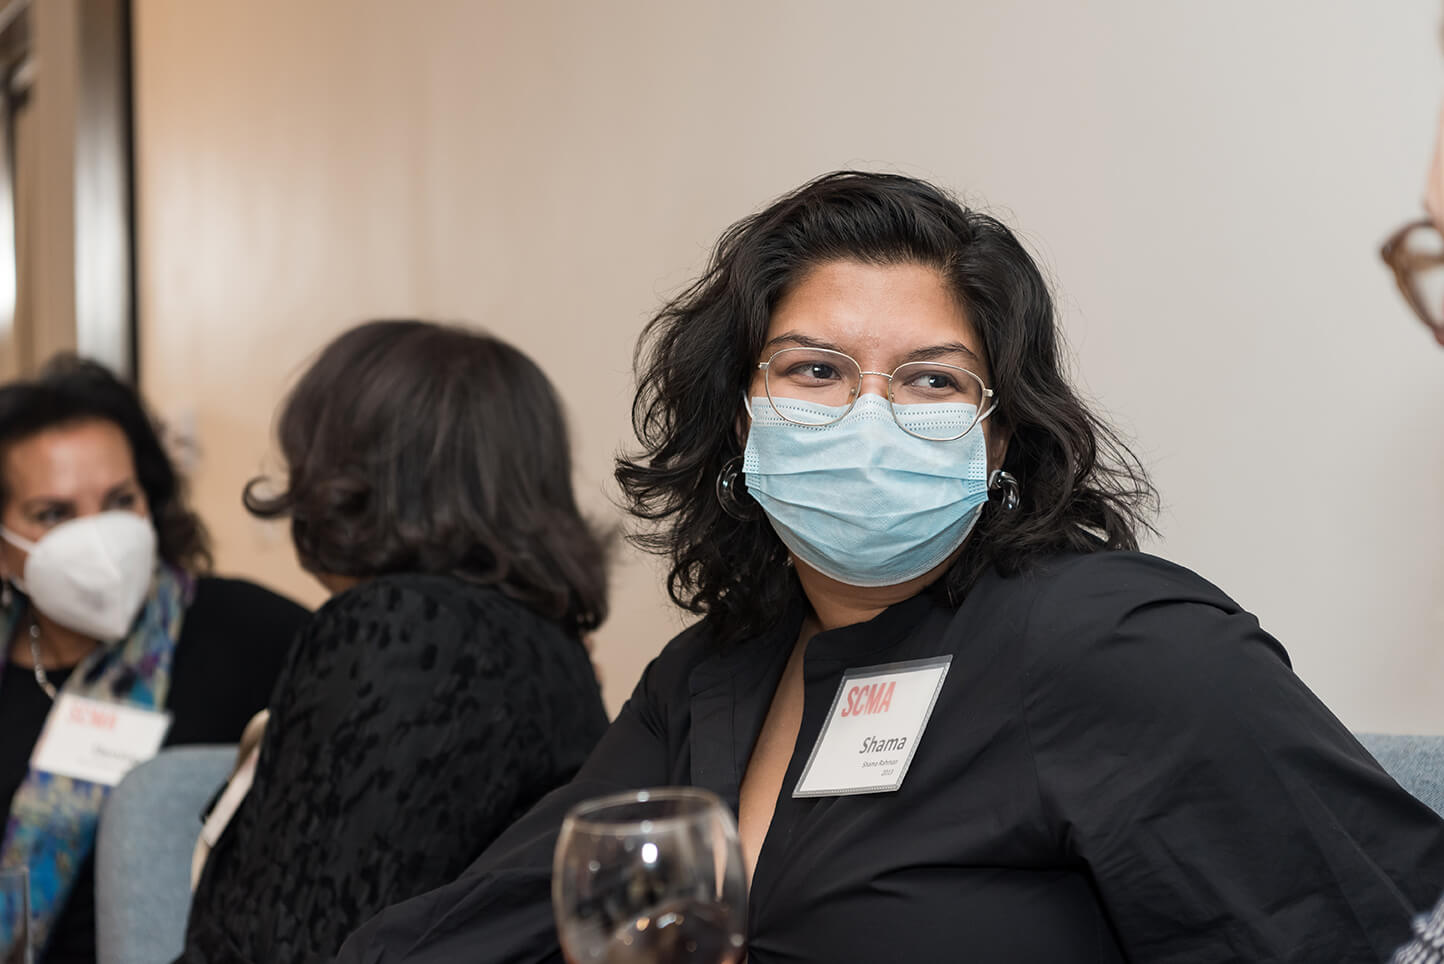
957	714
105	597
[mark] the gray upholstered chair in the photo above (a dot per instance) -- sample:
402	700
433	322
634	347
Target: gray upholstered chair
1417	762
148	830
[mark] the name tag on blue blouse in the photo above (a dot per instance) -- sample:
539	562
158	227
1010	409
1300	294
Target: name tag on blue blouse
97	741
873	728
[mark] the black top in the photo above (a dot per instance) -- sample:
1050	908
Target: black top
1121	766
418	716
233	643
23	708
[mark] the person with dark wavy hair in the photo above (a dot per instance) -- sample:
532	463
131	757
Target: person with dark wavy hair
957	714
107	595
445	686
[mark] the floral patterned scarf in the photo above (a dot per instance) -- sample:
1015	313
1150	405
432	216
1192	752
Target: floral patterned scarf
52	821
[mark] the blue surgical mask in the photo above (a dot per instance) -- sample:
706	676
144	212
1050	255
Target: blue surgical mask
861	500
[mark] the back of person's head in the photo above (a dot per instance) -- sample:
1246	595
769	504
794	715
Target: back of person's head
1080	487
417	447
70	391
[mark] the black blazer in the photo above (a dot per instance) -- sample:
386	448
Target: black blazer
417	717
1120	766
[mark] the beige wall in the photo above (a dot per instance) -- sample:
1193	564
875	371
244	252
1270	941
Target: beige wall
1207	183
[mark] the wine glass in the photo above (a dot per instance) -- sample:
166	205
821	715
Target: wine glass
650	877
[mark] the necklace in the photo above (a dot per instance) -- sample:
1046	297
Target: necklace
41	679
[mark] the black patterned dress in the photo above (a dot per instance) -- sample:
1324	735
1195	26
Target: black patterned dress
417	717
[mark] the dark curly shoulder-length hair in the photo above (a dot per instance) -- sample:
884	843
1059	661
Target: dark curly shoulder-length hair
70	390
1082	489
417	447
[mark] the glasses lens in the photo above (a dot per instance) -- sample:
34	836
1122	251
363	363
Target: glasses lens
936	401
812	386
1421	264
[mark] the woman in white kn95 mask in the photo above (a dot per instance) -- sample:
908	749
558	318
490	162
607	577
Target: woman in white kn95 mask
106	608
957	713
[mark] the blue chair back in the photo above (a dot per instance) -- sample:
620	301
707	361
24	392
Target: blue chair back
148	831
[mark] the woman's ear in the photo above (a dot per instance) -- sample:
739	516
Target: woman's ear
743	424
998	435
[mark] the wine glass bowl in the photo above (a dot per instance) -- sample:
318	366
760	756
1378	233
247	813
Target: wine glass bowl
650	876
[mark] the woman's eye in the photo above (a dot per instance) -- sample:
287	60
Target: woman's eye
125	500
935	381
51	517
816	371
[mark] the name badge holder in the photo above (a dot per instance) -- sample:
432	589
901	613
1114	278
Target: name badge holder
96	741
873	728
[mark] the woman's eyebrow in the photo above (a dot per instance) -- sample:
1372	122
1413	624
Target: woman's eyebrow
46	502
806	341
120	487
938	351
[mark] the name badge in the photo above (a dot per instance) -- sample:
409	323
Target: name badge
97	741
873	729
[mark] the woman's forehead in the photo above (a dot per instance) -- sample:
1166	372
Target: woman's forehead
883	311
69	460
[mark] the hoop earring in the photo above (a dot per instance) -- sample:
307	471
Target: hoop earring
1004	488
732	492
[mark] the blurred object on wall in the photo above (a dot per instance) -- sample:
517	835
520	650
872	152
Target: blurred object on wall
66	275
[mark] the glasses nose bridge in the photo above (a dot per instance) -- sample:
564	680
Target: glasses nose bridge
886	380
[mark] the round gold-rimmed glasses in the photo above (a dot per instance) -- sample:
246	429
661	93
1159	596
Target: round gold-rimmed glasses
819	386
1415	253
